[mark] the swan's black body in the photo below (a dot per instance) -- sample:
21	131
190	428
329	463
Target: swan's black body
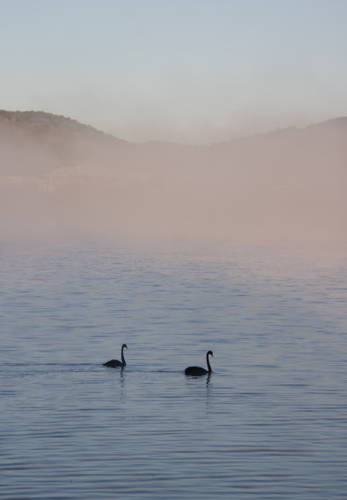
196	371
114	363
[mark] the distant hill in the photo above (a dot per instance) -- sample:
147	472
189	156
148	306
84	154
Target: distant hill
38	124
35	143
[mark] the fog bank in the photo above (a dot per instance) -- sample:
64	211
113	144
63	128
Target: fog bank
60	178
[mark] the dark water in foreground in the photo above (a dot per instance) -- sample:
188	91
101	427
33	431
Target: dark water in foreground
270	423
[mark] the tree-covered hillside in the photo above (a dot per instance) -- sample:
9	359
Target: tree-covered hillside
33	143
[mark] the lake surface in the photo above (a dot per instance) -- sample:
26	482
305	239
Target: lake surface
269	423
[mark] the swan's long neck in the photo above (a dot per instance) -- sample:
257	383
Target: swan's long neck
123	360
208	363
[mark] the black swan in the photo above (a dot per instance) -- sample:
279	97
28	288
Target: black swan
196	371
114	363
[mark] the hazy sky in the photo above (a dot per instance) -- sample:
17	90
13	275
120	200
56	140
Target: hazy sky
184	70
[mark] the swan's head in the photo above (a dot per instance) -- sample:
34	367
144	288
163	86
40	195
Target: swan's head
210	352
124	345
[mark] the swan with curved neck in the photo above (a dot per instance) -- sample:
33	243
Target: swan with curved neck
114	363
196	371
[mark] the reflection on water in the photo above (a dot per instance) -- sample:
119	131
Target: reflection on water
269	422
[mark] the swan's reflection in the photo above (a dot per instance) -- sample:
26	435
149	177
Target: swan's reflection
122	385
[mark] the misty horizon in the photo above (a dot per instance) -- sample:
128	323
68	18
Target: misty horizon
277	128
58	175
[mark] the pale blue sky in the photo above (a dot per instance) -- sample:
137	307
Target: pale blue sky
184	70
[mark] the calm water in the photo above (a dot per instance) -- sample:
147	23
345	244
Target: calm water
271	421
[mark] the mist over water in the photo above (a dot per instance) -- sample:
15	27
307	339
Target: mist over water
287	186
225	232
60	177
238	248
